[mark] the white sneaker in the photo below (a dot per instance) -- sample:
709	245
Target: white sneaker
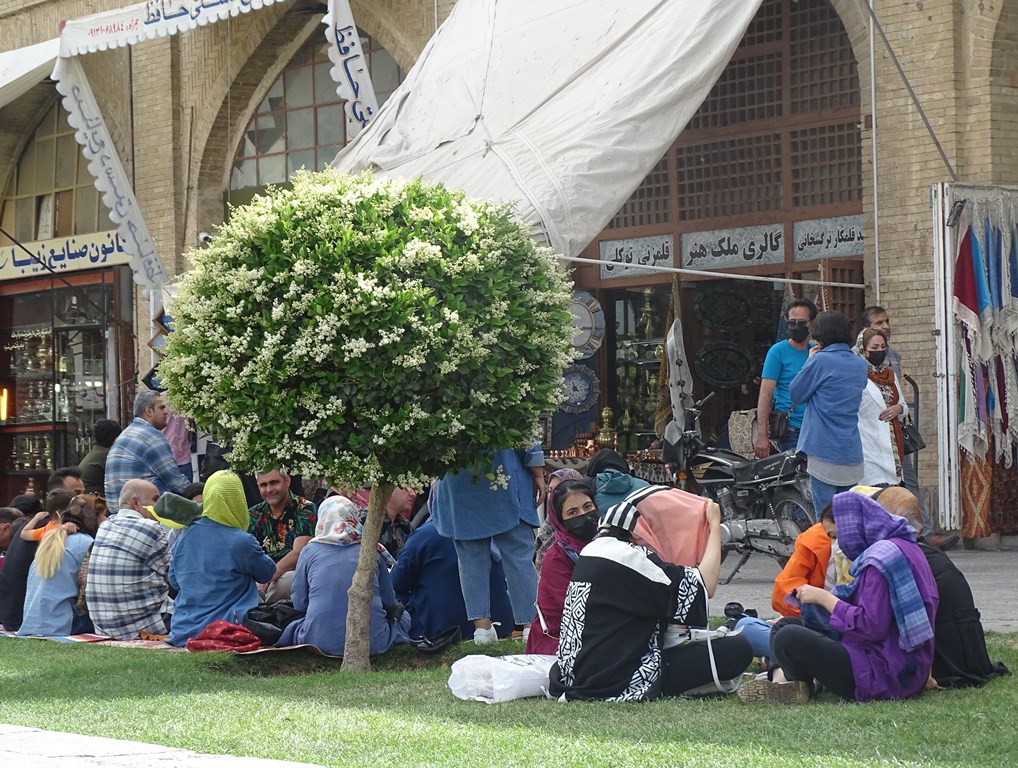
526	634
485	636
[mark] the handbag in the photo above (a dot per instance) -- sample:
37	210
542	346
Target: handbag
777	424
912	439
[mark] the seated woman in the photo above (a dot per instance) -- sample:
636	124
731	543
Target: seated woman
613	479
325	571
216	563
573	517
53	577
546	534
618	599
871	639
426	579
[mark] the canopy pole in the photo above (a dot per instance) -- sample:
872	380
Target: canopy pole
730	275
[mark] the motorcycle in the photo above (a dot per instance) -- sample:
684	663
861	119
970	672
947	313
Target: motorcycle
763	507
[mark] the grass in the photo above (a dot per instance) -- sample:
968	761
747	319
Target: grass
402	714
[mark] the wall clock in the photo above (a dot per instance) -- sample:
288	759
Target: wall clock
588	322
580	388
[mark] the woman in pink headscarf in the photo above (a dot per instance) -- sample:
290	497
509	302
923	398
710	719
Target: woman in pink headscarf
573	518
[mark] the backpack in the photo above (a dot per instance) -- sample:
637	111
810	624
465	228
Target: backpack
960	658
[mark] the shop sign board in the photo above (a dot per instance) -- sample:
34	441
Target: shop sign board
729	248
828	238
624	258
63	254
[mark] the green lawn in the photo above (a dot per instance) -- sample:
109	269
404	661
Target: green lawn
407	717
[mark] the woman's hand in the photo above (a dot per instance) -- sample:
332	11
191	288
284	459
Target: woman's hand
810	595
814	349
892	412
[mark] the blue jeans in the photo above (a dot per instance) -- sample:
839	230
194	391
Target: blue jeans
823	493
790	440
517	548
758	633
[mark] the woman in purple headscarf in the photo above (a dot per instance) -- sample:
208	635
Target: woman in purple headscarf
572	514
873	638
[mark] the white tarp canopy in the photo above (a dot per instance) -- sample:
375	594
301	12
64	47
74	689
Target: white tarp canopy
561	107
23	68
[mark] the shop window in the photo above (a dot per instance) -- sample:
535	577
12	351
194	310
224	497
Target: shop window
301	122
50	192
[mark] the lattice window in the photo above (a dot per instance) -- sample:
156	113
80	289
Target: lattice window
730	178
650	203
766	25
822	70
748	89
826	165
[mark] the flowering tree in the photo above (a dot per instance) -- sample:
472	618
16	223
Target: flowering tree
368	332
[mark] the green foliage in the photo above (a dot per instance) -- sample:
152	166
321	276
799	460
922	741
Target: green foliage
367	330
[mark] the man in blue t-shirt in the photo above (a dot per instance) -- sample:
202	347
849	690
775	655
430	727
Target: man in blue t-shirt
783	361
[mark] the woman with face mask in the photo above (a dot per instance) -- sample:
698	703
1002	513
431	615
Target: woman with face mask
573	516
880	414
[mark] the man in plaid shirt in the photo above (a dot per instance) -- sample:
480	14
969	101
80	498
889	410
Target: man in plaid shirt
126	591
141	452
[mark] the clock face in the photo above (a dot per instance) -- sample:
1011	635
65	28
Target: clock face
588	323
580	388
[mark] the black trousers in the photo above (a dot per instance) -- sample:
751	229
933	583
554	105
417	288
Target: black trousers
805	654
688	666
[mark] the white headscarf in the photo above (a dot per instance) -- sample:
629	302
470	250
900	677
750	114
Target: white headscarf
338	522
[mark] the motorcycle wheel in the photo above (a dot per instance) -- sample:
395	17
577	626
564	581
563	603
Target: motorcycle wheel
794	514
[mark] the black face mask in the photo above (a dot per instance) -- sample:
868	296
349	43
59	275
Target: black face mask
876	358
582	526
798	333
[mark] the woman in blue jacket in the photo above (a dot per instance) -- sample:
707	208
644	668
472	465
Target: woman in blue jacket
830	387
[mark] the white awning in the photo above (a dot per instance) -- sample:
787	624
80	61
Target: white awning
562	108
23	68
146	21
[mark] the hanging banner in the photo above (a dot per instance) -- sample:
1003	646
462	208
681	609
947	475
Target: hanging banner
349	67
740	247
91	132
145	21
828	238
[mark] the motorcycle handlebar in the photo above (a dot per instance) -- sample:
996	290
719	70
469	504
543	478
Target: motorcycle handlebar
710	396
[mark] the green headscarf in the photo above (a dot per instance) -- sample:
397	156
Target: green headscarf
223	500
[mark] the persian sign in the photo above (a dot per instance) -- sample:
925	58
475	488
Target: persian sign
623	258
349	67
728	248
69	254
146	21
828	238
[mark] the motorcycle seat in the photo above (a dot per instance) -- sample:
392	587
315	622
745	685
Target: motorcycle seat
780	465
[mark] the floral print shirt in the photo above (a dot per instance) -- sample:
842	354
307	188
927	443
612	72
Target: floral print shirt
277	536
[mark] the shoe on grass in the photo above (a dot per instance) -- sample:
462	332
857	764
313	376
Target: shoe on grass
762	689
485	636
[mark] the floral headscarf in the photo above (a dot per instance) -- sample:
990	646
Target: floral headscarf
338	522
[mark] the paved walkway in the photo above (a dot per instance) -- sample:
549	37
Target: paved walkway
989	573
22	747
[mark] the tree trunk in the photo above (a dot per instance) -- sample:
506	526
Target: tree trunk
356	654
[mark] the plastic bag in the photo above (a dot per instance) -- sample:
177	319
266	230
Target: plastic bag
500	678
